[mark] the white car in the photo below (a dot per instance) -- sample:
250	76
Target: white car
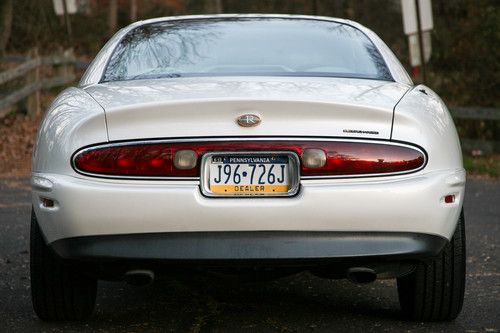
247	143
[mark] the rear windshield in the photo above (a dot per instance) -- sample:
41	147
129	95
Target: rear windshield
245	46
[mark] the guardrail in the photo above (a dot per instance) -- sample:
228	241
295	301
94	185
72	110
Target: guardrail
65	63
474	114
62	63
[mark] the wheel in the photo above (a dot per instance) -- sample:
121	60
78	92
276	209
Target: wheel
58	291
435	290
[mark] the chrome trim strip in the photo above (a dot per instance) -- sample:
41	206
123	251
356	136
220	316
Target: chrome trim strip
256	138
294	174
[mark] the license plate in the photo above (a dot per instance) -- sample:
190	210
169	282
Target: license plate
250	174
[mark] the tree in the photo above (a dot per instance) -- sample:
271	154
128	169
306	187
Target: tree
133	10
112	17
214	6
5	25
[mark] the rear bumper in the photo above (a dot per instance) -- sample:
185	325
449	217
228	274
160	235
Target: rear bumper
88	207
250	245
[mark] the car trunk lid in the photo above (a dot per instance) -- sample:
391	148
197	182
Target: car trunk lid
209	107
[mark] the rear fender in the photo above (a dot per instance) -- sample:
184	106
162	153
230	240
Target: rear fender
422	118
72	121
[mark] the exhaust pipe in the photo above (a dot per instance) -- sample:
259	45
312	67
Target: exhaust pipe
361	275
139	277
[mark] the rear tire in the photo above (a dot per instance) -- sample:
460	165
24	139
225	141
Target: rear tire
435	290
59	291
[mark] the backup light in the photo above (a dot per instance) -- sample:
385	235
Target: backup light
313	158
185	159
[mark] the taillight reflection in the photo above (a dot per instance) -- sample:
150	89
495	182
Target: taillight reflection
157	159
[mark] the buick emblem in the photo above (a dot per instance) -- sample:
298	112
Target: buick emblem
248	120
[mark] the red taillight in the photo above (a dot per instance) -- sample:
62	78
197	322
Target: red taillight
157	159
355	158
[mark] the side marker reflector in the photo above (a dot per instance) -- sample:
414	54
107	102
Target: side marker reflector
450	198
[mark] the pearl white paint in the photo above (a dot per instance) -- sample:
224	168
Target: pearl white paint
208	107
411	203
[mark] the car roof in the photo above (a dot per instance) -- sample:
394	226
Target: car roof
236	16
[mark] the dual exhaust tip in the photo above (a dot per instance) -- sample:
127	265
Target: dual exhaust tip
139	277
361	275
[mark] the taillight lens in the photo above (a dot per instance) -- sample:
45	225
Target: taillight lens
359	158
157	159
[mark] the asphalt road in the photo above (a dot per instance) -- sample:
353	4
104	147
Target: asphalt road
295	304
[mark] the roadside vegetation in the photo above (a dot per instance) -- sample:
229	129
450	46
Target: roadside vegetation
488	166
